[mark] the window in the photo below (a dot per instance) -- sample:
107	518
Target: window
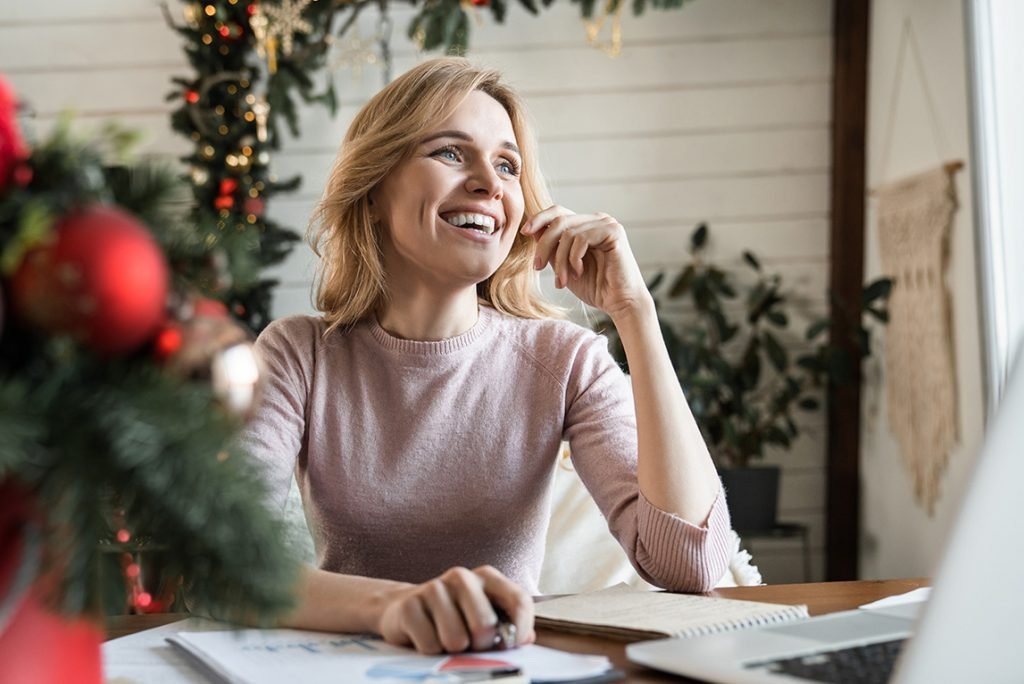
996	55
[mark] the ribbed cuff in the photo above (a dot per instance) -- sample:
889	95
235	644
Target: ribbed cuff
678	555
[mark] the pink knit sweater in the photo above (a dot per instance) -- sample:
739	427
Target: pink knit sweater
413	457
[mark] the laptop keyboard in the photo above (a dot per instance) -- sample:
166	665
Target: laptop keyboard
871	664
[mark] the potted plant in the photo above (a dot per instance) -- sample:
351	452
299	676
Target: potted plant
728	348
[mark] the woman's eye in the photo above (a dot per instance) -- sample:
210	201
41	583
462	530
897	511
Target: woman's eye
509	167
449	153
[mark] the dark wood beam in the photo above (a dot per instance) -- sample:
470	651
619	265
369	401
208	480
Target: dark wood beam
849	123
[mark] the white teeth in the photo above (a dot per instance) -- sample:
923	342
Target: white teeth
485	223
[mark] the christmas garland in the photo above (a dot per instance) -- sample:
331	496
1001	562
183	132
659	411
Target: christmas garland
121	388
254	62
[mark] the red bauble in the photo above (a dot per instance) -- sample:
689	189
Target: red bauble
12	146
228	186
254	206
103	279
224	202
31	624
167	342
481	3
191	96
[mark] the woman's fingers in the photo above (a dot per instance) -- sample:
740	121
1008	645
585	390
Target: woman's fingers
467	590
457	611
418	627
577	252
447	616
513	599
560	262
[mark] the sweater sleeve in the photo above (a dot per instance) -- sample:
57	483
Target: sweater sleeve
275	436
600	426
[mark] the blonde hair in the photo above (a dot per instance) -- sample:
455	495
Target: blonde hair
350	284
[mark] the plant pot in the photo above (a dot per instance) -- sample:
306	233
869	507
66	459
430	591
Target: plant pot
37	645
753	497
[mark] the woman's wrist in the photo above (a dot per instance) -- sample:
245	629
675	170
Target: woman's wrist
329	601
636	314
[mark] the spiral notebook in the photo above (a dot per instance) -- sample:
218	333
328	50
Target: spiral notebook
621	612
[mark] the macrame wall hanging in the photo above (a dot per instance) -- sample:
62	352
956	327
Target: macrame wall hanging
915	218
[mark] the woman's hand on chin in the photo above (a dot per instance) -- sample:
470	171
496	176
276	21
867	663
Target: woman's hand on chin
456	612
590	255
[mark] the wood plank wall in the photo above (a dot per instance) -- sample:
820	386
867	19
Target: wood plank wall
718	112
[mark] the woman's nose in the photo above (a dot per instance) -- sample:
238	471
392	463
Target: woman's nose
484	179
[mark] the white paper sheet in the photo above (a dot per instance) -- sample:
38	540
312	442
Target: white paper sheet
915	596
257	656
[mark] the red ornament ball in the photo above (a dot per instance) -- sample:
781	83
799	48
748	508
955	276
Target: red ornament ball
102	279
224	202
228	186
254	206
167	342
22	175
191	96
481	3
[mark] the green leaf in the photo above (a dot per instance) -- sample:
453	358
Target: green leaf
776	353
682	282
778	318
34	228
812	363
880	315
751	368
752	260
809	404
877	289
655	281
775	435
699	237
817	328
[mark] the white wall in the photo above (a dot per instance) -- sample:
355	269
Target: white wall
898	538
718	111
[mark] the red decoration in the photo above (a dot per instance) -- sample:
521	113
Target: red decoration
254	206
224	202
481	3
12	147
210	308
228	186
22	175
30	624
191	96
102	279
252	8
167	342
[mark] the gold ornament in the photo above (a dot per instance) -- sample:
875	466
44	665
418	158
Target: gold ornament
199	175
261	112
193	14
285	21
353	52
613	10
266	44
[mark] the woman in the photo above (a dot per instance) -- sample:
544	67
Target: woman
422	414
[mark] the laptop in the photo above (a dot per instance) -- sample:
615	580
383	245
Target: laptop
971	629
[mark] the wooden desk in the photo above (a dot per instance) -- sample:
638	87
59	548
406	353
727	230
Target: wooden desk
821	598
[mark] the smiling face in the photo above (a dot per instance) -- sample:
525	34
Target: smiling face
451	210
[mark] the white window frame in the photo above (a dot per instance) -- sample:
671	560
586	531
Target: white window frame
996	78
